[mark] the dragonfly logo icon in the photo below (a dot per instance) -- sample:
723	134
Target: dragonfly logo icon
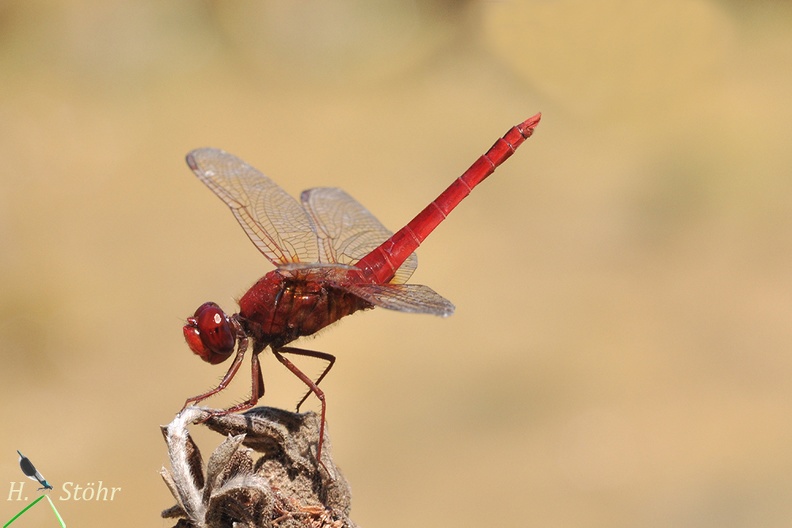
31	472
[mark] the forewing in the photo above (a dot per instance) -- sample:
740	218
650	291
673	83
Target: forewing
414	298
346	231
275	222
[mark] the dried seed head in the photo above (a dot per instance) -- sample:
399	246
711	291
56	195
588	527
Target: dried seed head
283	486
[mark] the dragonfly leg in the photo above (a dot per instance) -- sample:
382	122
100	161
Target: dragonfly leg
257	388
330	358
311	385
232	370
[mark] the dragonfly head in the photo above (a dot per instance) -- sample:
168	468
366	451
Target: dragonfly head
210	333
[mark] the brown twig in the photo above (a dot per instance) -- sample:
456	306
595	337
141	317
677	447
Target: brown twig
275	482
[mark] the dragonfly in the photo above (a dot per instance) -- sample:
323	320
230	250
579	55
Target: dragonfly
332	258
31	472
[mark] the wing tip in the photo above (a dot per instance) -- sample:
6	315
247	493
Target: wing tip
447	311
193	156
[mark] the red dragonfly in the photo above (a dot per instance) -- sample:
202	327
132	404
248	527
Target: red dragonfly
332	258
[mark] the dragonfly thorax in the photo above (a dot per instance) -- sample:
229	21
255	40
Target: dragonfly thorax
283	306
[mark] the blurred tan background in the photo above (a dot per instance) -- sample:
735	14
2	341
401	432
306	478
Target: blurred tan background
620	355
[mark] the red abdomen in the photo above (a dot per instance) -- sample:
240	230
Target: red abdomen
279	309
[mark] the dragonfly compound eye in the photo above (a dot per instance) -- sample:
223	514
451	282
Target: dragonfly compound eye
210	334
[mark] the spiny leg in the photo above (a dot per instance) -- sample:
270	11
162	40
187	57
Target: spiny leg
311	385
257	387
232	370
314	354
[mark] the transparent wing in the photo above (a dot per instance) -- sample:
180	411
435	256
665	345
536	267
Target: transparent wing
415	298
346	231
275	222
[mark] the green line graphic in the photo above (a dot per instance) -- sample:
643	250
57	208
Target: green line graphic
57	514
26	508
